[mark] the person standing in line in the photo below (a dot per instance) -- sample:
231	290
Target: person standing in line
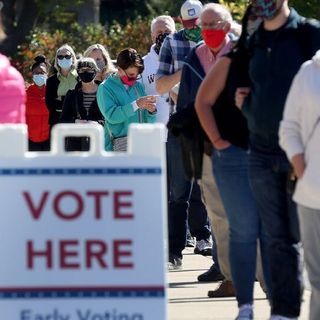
102	58
227	130
300	138
37	113
122	100
60	82
172	55
161	27
80	104
277	49
215	21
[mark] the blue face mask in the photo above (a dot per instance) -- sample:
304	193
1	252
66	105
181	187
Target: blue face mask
39	79
65	63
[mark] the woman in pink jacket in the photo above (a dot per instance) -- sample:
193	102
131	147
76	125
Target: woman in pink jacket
12	90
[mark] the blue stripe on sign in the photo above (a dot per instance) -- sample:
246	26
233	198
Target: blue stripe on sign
65	293
79	171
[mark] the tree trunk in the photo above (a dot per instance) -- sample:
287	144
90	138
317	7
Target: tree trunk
17	27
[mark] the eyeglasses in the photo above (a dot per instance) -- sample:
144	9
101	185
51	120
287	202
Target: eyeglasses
214	25
138	77
61	56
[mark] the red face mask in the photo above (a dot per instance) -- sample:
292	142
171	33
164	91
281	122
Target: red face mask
213	38
128	81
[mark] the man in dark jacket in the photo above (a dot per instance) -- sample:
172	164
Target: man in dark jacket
182	192
215	23
278	48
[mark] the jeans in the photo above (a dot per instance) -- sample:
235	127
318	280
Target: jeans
245	228
310	234
268	175
181	191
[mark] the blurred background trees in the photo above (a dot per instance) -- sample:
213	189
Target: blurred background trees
40	27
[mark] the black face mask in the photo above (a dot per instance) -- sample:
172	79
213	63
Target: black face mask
87	76
159	40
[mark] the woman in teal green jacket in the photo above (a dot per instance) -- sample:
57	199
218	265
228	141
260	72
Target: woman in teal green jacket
122	100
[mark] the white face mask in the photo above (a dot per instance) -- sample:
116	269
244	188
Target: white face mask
39	79
65	63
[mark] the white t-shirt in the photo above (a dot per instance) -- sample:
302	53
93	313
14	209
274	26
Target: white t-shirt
151	65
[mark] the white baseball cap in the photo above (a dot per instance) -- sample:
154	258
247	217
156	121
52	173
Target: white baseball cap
190	12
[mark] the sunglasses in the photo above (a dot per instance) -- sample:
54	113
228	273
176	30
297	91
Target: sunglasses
60	56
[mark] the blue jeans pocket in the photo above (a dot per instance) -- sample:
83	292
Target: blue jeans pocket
221	152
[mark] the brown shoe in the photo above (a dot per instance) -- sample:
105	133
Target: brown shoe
226	289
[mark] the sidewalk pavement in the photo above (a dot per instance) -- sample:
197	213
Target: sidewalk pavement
188	298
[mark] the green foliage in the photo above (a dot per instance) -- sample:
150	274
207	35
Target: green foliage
309	8
135	34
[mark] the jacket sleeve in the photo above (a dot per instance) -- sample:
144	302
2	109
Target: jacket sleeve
147	116
112	112
68	115
51	94
290	126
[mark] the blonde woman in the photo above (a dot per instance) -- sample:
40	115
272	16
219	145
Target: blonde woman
102	58
61	82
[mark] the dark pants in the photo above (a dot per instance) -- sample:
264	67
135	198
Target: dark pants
39	146
268	175
245	228
181	191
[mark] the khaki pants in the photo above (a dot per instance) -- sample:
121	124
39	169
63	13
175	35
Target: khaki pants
216	214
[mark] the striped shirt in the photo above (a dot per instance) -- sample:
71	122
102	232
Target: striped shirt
88	99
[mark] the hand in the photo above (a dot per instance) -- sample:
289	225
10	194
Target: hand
147	102
241	95
298	164
173	96
221	144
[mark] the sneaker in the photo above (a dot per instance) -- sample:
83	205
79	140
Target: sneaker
174	263
226	289
190	242
212	275
245	312
203	247
278	317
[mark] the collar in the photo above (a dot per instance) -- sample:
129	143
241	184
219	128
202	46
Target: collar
73	73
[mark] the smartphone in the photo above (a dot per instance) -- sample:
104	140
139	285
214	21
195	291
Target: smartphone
153	96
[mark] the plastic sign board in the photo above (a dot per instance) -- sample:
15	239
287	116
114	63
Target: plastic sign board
82	234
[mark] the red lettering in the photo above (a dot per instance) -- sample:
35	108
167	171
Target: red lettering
118	253
66	253
71	215
97	201
35	210
46	253
119	204
96	249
